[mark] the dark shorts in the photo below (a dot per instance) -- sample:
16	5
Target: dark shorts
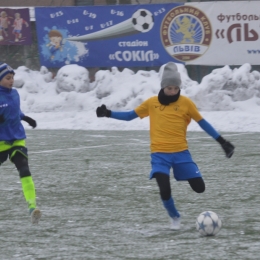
183	166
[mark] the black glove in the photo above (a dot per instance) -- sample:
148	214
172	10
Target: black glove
2	119
103	111
227	146
30	121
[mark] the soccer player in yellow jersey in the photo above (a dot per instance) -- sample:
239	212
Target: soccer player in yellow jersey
170	113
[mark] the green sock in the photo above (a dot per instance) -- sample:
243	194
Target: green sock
29	191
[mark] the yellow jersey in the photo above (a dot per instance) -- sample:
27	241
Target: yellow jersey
168	124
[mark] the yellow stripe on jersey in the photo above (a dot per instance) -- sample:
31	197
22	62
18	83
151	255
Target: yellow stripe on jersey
168	124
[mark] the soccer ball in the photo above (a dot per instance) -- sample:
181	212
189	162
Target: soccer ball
142	20
208	223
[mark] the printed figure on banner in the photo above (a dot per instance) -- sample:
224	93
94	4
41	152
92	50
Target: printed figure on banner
186	28
4	22
56	49
15	26
55	43
18	25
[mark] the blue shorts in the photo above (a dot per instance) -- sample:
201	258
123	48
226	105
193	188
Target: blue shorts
184	167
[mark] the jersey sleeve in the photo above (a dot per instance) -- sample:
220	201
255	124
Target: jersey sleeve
194	112
143	110
127	116
208	128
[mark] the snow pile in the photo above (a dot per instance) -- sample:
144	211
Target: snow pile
72	93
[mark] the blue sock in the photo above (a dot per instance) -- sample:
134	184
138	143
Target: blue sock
169	206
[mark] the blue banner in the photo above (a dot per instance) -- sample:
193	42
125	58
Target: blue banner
106	36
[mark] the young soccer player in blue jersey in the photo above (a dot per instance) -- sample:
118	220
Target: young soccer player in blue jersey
12	137
170	113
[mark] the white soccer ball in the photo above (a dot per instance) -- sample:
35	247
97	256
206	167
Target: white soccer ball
143	20
208	223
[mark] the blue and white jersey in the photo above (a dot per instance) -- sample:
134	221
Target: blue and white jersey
11	129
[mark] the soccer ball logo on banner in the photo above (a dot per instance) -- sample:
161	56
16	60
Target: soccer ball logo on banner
142	20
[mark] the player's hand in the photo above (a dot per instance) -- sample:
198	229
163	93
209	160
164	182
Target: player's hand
226	146
30	121
103	111
2	119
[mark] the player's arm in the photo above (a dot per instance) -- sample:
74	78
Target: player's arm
28	119
26	24
102	111
210	130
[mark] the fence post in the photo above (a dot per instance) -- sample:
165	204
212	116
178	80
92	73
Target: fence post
26	53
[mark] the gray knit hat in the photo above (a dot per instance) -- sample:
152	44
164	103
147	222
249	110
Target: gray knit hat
171	76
